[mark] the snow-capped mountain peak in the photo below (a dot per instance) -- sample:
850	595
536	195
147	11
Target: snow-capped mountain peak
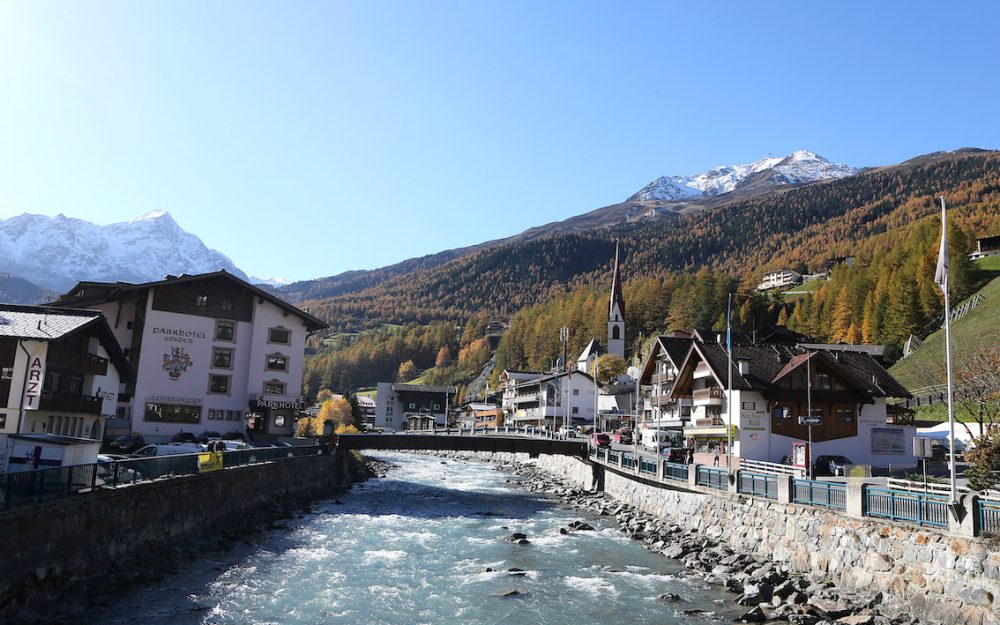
799	167
56	252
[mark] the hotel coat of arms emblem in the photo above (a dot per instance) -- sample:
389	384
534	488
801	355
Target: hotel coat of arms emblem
176	362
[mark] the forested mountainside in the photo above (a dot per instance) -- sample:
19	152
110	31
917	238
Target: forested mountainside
798	228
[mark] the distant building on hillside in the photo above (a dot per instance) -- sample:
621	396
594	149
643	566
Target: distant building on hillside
986	246
208	352
780	279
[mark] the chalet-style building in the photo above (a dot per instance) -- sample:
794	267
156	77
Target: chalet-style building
412	406
770	377
659	372
481	415
208	352
780	279
60	371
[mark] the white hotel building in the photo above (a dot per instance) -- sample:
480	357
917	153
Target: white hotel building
209	352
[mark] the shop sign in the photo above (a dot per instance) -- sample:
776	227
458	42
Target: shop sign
290	403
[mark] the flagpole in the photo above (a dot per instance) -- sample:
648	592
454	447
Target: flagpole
729	398
943	265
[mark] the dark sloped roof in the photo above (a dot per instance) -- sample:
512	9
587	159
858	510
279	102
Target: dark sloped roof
109	291
424	388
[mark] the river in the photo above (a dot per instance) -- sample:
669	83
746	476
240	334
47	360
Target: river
414	548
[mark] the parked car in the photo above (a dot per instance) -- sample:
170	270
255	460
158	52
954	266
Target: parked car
623	437
831	465
126	444
567	432
209	435
600	439
184	437
169	449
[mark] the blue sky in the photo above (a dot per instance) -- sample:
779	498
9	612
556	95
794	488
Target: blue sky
303	139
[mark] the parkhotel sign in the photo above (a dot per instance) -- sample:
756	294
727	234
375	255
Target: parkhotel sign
290	403
179	335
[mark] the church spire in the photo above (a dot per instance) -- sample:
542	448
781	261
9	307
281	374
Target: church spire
616	311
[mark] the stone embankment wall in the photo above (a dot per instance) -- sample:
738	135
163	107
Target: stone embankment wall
48	546
945	578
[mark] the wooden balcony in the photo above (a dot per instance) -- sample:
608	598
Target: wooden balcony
62	357
662	377
708	396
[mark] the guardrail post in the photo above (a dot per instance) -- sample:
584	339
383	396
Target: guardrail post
660	476
967	525
733	482
854	498
693	476
786	489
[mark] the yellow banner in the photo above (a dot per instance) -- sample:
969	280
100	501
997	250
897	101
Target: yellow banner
209	462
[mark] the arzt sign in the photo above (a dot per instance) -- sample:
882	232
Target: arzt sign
36	375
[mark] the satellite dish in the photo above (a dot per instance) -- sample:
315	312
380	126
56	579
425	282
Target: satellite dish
634	372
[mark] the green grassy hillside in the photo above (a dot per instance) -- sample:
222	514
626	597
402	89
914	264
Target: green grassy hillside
926	366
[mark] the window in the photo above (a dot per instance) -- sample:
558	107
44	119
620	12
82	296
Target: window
218	384
173	413
227	304
52	381
615	333
225	330
3	420
222	357
75	385
201	301
845	415
412	406
576	391
274	387
277	362
279	335
576	410
823	381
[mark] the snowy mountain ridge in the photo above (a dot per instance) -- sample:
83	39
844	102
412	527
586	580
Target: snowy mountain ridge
56	252
797	168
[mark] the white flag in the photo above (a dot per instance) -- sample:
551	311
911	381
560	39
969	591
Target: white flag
941	275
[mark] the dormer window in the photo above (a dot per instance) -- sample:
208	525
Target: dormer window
201	301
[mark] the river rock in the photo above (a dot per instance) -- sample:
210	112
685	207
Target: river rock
856	619
829	608
754	594
563	531
755	615
516	572
509	592
516	536
669	597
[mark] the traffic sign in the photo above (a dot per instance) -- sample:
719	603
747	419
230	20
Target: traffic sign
811	420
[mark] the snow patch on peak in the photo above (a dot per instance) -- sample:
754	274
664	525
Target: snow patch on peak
151	215
798	167
277	281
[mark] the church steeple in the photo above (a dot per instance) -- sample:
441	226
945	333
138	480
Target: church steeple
616	311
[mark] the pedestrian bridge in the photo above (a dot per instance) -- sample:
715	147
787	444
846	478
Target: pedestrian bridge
454	442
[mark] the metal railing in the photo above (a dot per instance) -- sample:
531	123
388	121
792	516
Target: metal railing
988	516
913	507
759	484
712	478
602	453
37	485
647	466
612	457
28	486
823	494
628	460
674	471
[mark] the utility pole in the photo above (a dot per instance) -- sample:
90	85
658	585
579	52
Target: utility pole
809	411
564	337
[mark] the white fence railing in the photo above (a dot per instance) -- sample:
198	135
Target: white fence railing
914	486
770	468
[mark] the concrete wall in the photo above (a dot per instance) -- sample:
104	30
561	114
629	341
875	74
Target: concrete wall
49	545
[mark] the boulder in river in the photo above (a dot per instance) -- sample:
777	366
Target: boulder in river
516	536
508	592
669	597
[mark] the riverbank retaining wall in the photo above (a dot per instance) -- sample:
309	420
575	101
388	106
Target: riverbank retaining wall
50	545
943	577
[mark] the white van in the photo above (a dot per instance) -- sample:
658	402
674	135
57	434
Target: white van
657	439
170	449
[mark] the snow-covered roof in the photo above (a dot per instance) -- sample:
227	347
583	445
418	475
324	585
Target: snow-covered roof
42	324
